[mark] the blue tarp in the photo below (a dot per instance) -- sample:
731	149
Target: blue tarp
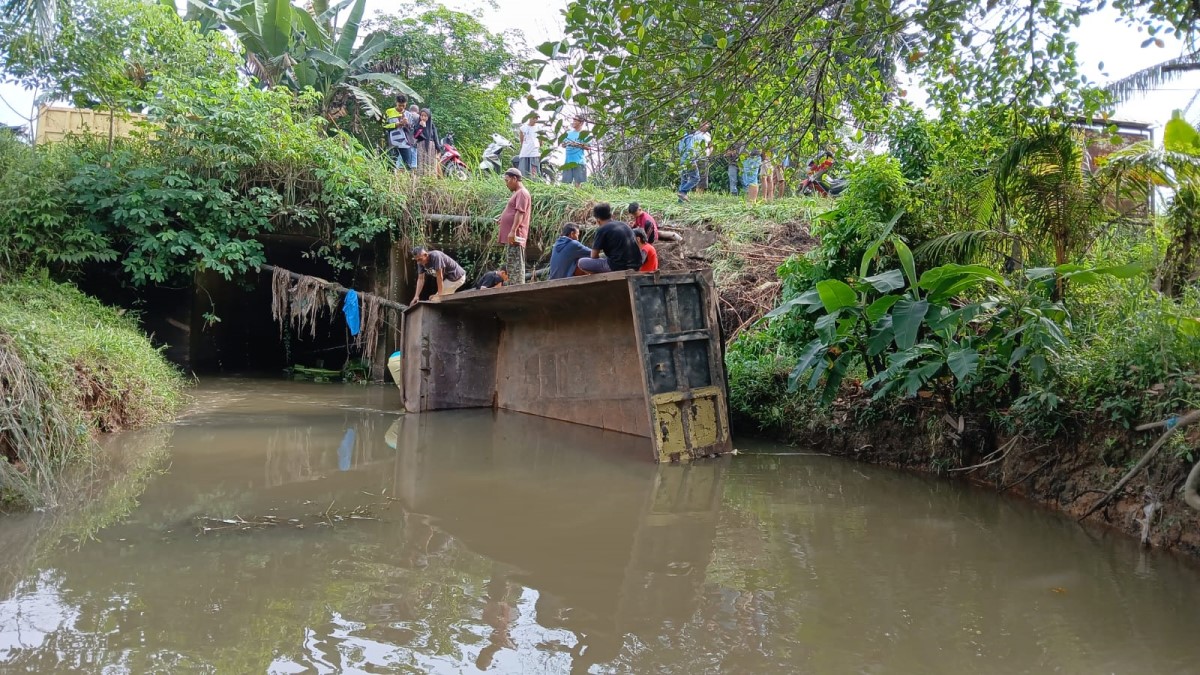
346	451
350	308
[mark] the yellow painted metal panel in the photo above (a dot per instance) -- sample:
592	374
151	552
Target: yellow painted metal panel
678	438
56	123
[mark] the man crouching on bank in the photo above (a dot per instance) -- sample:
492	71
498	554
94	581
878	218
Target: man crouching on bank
448	273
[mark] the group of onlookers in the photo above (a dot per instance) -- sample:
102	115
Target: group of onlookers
414	143
529	157
412	136
761	175
616	247
758	172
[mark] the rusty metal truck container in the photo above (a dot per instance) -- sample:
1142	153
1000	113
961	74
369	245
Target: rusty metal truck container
635	353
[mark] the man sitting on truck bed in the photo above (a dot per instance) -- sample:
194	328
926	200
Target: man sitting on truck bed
448	273
616	241
566	253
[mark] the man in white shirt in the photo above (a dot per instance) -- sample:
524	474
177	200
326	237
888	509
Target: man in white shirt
529	160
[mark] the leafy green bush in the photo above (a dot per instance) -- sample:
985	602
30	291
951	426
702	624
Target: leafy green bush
37	221
218	166
759	397
874	202
1137	355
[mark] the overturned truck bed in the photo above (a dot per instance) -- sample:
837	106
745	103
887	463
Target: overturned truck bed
635	353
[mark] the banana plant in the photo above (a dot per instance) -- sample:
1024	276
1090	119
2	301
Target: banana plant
286	45
909	332
1176	165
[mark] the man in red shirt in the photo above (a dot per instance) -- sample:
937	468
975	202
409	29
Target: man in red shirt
639	218
648	253
514	226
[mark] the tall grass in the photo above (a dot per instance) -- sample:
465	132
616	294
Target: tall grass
69	367
735	221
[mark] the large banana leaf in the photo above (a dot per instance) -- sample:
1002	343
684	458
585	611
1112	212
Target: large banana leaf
259	10
1179	136
348	34
306	74
389	80
314	35
366	100
328	15
376	42
322	56
277	29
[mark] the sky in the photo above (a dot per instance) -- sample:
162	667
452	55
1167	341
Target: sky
1101	38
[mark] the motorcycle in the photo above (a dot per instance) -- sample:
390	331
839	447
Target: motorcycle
452	164
491	154
816	182
547	171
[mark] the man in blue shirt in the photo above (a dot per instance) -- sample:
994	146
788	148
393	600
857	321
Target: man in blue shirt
691	149
575	168
567	252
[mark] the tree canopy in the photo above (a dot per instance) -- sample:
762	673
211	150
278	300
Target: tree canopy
796	72
468	74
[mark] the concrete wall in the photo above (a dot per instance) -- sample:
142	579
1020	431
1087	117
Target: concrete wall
564	349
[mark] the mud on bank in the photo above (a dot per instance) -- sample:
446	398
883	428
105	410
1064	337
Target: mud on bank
1069	473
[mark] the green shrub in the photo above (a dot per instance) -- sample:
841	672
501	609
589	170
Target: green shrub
876	198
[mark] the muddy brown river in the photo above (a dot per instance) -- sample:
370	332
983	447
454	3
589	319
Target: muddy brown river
298	528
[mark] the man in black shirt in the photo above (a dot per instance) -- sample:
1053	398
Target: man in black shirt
493	279
616	241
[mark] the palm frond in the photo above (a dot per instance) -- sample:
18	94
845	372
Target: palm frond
41	15
964	247
1146	79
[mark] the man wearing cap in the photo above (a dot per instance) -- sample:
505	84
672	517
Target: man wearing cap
514	226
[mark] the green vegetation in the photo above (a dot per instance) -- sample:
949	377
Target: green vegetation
468	75
222	164
70	368
736	223
1033	302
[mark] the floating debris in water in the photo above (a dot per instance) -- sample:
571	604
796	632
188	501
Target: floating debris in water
330	516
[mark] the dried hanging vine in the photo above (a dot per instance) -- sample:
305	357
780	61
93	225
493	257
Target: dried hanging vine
372	321
301	303
280	285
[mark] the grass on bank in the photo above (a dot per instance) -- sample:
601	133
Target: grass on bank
736	222
70	367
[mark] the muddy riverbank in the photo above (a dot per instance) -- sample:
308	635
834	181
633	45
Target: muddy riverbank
1069	474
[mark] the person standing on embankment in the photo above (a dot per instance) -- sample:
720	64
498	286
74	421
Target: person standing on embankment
514	226
529	159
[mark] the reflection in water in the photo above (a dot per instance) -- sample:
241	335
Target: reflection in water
515	544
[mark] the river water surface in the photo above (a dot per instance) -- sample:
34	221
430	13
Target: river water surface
294	528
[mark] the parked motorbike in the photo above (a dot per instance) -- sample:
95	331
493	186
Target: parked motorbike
491	154
547	171
817	182
452	164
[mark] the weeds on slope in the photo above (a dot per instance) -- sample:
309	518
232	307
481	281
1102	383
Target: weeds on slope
69	367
